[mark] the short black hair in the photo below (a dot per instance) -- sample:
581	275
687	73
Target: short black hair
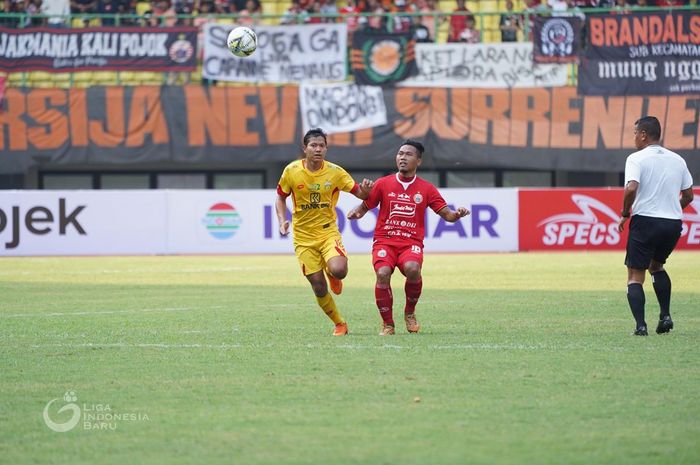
418	146
650	125
315	132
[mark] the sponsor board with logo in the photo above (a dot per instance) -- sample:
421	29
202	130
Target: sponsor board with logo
225	221
585	219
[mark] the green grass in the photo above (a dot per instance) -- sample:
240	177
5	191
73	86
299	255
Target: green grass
523	359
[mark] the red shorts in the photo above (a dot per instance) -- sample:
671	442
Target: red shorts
393	254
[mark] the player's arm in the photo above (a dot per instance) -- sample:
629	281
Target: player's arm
686	197
627	201
281	209
452	216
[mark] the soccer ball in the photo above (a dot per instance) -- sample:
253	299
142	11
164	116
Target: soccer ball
242	41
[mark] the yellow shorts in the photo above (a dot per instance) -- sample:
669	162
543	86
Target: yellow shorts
313	257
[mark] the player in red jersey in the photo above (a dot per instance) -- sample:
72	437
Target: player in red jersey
403	198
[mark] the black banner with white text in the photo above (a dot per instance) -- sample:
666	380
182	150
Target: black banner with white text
98	49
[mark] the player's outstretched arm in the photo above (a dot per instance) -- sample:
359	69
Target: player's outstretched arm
358	212
364	190
453	216
281	209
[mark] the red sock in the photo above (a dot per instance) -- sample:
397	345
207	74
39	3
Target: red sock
385	302
413	290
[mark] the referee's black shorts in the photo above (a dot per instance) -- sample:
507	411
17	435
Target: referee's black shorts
651	238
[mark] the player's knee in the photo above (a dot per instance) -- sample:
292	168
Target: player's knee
339	272
384	275
412	271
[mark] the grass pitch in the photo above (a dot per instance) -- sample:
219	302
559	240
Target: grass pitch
523	359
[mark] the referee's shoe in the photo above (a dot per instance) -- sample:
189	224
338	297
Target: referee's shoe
665	325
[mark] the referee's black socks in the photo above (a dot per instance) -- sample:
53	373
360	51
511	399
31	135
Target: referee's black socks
662	287
635	297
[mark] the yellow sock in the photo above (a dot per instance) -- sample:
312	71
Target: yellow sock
328	305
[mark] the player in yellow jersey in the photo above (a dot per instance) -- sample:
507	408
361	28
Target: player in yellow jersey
315	186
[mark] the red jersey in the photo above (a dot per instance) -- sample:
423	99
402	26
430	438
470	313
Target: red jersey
402	207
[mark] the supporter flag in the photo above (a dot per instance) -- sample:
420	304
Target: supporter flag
382	58
557	39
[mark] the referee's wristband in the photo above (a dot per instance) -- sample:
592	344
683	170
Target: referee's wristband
625	214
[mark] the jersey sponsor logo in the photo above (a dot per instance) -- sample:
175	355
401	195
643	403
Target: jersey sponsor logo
405	210
315	197
314	187
404	197
691	223
583	227
381	253
300	186
418	198
391	194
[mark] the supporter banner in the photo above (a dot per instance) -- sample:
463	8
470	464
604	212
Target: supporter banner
648	53
230	127
557	39
482	65
341	107
304	53
382	58
585	219
220	221
98	49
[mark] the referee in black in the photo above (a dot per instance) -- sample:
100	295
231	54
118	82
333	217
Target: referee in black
658	186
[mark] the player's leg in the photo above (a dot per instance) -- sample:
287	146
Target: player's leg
336	260
659	277
410	264
637	260
312	265
384	260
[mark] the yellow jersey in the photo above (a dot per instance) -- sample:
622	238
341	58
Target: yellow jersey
314	197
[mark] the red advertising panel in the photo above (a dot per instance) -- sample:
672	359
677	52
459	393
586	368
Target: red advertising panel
585	219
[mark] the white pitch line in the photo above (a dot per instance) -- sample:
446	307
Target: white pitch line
107	312
124	345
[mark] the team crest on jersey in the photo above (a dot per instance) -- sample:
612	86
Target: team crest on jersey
328	185
381	253
418	198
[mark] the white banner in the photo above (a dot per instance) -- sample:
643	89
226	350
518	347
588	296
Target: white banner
494	65
220	222
342	107
304	53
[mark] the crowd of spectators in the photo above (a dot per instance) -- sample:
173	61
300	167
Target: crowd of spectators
419	17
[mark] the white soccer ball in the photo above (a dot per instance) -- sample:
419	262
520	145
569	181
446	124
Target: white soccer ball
242	41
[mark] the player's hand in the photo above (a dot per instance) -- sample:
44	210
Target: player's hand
366	185
284	227
356	213
621	223
462	212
